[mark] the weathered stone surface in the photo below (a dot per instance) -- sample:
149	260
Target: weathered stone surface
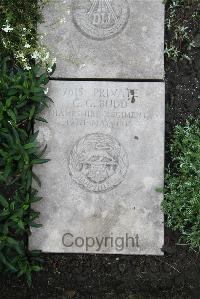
106	145
106	39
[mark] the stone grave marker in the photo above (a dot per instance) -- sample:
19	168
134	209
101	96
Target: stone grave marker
106	38
106	145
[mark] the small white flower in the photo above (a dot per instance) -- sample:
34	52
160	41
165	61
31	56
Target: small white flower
49	70
7	28
47	55
27	46
4	43
19	55
46	90
62	20
35	55
27	67
24	29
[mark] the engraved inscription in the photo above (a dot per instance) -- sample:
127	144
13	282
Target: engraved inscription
101	108
100	19
98	162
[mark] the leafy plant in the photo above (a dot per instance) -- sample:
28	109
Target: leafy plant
22	99
182	195
18	33
182	19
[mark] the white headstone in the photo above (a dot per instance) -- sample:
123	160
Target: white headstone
106	145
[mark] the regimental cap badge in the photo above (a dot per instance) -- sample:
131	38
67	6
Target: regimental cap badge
98	162
100	19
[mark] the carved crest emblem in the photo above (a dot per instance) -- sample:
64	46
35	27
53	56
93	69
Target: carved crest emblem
98	162
100	19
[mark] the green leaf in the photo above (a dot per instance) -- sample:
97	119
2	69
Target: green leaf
37	98
33	137
41	119
36	225
36	178
35	252
7	171
29	179
49	99
37	90
32	112
15	244
16	135
4	202
39	161
36	268
43	79
5	213
28	278
42	152
21	224
5	262
8	102
12	92
36	69
30	145
20	273
12	115
5	229
18	87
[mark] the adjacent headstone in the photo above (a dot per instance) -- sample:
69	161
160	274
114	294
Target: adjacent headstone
106	145
106	38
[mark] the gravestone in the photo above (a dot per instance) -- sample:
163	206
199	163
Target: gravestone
106	39
105	139
100	189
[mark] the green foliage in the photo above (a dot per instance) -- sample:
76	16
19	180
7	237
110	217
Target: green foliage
181	20
22	99
18	33
182	196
